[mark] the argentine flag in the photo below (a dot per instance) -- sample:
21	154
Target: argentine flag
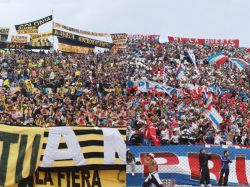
217	59
240	63
215	117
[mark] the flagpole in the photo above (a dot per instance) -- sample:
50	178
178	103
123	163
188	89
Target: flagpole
53	41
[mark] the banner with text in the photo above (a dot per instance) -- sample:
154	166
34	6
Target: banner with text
8	45
78	31
120	40
86	147
82	39
43	35
233	42
86	178
182	164
4	33
20	150
32	27
68	46
59	149
19	39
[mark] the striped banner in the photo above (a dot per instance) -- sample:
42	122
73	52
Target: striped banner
93	148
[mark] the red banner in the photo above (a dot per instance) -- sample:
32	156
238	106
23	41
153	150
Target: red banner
234	42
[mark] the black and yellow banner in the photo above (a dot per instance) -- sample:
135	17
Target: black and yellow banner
77	178
69	46
4	33
120	40
32	27
80	178
8	45
40	36
20	150
41	43
66	155
82	39
78	31
92	148
74	49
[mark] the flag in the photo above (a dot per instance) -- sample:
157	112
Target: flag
240	63
164	74
180	72
215	117
209	99
152	129
217	59
192	57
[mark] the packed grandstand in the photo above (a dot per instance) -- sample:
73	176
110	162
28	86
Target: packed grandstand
184	91
52	89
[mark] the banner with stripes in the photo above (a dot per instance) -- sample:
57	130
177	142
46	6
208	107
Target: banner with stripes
66	148
20	150
59	149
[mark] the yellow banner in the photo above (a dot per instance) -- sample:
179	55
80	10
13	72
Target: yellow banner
101	178
43	35
20	150
28	30
74	49
19	39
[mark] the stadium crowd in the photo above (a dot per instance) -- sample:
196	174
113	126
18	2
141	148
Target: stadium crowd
54	89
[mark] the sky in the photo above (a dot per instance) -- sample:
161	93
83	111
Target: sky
215	19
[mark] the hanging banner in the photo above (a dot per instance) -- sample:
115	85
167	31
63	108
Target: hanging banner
41	43
82	39
78	31
59	149
4	33
91	148
19	39
74	49
68	46
144	36
86	178
8	45
43	35
32	27
120	40
233	42
181	163
20	150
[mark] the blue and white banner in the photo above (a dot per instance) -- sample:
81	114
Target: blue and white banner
182	164
216	88
145	86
